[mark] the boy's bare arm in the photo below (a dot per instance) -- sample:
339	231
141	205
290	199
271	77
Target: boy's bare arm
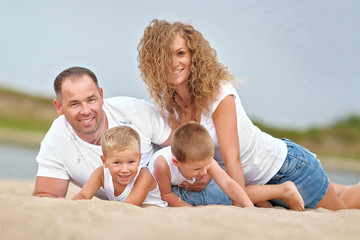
92	185
228	185
163	177
143	185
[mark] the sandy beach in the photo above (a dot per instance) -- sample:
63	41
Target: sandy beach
23	216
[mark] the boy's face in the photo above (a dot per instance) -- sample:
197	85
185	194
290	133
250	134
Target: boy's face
193	169
123	165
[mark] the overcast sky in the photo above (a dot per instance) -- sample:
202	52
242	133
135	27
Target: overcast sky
300	59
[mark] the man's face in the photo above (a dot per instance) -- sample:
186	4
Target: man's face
81	103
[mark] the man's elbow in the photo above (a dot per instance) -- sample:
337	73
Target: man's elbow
44	194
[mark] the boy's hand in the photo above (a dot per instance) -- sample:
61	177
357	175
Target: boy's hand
197	186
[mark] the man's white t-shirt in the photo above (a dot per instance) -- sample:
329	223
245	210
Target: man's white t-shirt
66	156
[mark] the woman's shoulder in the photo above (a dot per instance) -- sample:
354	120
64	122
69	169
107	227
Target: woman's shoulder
226	87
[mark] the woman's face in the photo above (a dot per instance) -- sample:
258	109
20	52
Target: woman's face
181	62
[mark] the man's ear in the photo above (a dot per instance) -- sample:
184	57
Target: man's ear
58	107
176	162
102	95
103	160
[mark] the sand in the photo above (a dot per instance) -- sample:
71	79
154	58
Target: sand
23	216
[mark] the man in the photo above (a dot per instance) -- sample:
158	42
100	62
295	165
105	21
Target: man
71	150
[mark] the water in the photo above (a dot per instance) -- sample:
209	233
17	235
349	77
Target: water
343	177
19	162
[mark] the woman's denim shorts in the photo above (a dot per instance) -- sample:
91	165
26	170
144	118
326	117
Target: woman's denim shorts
304	169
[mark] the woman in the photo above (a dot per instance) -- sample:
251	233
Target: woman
187	83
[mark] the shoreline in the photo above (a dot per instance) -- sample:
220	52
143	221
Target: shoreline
32	139
20	137
340	163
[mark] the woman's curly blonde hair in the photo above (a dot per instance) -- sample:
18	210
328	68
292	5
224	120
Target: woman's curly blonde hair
154	62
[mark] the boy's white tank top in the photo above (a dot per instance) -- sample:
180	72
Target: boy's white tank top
176	176
153	197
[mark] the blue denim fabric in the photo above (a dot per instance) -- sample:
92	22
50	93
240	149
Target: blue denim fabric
212	194
304	169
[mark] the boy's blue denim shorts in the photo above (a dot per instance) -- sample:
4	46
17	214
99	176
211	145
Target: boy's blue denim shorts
304	169
211	195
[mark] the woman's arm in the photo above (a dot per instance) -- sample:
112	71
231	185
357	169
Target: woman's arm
228	185
92	185
225	121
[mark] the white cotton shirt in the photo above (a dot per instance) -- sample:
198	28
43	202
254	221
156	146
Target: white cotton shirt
64	155
261	155
153	197
176	176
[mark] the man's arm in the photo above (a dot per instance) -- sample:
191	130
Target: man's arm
198	185
51	187
167	142
156	124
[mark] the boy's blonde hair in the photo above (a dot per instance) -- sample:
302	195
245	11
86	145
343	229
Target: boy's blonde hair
192	142
119	138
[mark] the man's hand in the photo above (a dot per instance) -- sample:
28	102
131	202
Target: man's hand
197	186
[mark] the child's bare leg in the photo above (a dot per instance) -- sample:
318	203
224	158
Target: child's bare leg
286	191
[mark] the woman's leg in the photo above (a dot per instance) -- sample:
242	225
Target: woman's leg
351	197
303	169
331	200
340	189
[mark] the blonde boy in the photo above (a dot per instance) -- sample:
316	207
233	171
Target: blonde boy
189	158
120	176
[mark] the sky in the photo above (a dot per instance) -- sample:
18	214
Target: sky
299	60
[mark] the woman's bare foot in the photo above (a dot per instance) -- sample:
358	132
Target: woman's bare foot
292	196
